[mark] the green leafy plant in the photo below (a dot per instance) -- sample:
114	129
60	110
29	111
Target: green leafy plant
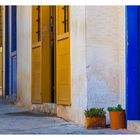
87	113
94	112
115	108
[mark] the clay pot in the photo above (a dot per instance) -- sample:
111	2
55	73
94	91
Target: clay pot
88	122
117	119
99	122
96	122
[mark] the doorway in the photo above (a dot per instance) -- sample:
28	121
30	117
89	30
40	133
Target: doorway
50	55
9	51
43	49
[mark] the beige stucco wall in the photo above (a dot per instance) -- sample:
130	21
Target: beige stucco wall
105	56
78	68
24	55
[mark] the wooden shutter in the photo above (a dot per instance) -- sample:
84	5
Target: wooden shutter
41	66
36	54
62	56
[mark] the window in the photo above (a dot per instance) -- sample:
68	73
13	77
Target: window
66	29
38	22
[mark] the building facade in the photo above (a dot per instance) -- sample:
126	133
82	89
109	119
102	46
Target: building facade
64	59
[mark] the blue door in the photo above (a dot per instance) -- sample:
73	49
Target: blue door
13	57
10	52
133	62
7	79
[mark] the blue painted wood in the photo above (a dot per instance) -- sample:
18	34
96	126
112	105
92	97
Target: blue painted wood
139	63
14	77
132	56
10	48
6	50
14	28
13	49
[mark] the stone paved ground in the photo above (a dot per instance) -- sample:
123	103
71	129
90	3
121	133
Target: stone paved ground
12	122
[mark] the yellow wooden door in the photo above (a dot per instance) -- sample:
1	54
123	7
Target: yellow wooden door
62	56
46	55
41	67
36	54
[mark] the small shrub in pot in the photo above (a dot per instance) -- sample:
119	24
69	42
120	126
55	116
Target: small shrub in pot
117	117
95	118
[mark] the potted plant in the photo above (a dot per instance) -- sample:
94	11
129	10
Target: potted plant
95	118
117	117
88	118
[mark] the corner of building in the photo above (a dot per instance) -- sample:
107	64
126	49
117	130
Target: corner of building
24	41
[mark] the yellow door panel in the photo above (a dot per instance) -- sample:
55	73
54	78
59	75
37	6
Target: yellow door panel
36	55
36	74
34	24
63	76
46	55
62	56
36	59
63	97
63	46
63	62
41	69
60	11
37	88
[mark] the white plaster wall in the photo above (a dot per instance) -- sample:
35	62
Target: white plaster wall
105	56
24	16
78	68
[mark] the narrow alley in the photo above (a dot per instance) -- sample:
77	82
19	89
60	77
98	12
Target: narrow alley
15	120
64	69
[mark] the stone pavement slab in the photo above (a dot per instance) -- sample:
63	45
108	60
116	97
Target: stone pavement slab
27	122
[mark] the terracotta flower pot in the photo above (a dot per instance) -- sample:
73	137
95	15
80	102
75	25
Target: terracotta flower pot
117	119
88	122
99	122
95	122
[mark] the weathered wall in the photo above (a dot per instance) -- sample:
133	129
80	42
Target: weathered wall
24	55
105	55
78	68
